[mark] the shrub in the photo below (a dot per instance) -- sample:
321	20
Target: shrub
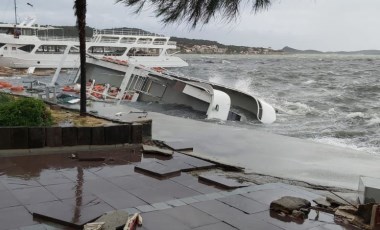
23	112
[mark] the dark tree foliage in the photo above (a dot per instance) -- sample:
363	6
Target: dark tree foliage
195	11
80	8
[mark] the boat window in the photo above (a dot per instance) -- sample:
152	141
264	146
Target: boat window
135	51
51	49
5	48
128	40
107	50
27	48
106	39
14	48
74	50
144	41
2	44
159	41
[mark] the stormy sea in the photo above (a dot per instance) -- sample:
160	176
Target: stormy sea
332	99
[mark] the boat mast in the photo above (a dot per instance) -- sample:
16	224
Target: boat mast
15	12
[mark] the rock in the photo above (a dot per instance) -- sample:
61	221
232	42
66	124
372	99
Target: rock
298	215
113	220
287	204
322	202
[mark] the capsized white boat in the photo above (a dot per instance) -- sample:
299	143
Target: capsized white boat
113	79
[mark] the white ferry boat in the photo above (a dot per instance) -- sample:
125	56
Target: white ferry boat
27	45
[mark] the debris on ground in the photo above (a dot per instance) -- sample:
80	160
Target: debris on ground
289	204
113	220
157	150
93	226
133	222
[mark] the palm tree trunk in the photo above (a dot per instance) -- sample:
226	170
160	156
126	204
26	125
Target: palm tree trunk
80	12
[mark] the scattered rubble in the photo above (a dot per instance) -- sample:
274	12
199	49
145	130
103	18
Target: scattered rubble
113	220
288	204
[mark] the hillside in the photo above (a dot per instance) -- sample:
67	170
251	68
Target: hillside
185	45
289	50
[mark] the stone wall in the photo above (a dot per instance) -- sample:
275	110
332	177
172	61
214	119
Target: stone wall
40	137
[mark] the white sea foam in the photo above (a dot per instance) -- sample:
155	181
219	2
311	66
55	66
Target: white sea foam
309	82
375	120
345	143
297	108
356	115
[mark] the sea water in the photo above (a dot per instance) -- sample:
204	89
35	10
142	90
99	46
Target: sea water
332	99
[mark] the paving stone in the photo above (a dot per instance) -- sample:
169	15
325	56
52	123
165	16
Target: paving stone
69	136
157	169
35	227
19	138
36	137
175	203
161	206
65	191
179	145
190	216
222	181
84	135
51	177
197	163
33	195
7	199
15	217
68	215
244	204
267	196
120	199
113	220
189	200
134	182
19	183
177	163
131	211
284	222
136	134
192	182
160	221
97	136
150	195
216	226
110	171
146	208
5	137
53	136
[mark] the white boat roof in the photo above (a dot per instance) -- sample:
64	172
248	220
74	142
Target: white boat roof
19	26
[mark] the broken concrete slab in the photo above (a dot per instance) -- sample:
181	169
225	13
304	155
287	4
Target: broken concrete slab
322	202
287	204
113	220
157	170
157	150
222	181
178	146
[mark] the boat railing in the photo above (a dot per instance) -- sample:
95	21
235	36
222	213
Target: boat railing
124	31
58	38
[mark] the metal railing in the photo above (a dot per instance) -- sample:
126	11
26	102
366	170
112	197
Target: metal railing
124	32
57	38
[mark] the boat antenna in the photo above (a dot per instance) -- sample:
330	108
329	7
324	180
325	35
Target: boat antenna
15	12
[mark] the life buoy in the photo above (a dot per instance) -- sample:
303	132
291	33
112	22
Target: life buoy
68	89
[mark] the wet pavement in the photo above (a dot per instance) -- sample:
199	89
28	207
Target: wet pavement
59	192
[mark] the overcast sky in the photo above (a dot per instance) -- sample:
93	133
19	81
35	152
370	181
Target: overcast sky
327	25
